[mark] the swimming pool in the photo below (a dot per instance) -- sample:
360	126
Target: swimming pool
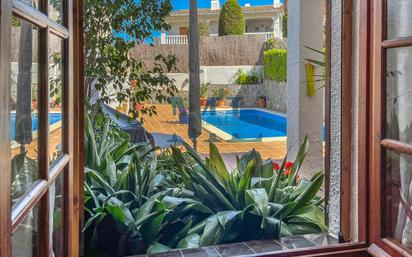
245	124
53	118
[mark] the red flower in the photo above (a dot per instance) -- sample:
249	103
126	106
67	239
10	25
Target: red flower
289	165
276	166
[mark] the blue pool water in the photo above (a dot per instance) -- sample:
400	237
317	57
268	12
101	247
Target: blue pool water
247	123
53	118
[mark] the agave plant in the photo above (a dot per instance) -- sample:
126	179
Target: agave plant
131	203
252	201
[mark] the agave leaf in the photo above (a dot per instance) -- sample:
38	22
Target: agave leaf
158	248
303	150
118	193
151	227
271	227
120	150
199	228
309	214
212	232
303	228
111	170
274	208
213	190
275	182
179	162
98	216
217	164
284	230
267	174
93	155
227	217
246	176
259	198
90	191
103	140
189	241
122	214
99	181
173	202
310	192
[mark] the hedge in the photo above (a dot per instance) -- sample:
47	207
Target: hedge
231	20
275	64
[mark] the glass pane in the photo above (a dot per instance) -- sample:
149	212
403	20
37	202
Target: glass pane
25	240
56	216
24	115
32	3
399	18
399	93
56	10
55	97
398	220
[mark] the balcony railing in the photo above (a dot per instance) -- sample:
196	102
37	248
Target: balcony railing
171	40
183	40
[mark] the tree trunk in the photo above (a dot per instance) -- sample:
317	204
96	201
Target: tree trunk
23	125
195	127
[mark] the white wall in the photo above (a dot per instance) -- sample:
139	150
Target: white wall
219	75
259	25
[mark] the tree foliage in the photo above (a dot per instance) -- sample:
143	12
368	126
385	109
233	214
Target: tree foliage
285	26
275	63
231	20
203	29
112	28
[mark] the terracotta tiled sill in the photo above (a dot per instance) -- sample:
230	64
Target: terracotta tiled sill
252	248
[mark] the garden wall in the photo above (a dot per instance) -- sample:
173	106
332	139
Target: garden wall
246	50
275	93
216	75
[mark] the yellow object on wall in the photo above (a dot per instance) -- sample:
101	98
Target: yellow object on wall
310	79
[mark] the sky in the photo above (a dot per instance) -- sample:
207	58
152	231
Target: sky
184	4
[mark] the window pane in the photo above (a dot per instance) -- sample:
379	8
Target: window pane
25	240
399	93
398	220
56	216
399	18
32	3
56	10
55	97
24	114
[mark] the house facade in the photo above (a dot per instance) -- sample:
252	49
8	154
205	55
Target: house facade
264	19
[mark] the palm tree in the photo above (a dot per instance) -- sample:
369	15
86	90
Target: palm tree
195	128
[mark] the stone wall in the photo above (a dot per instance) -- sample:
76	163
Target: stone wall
275	93
214	51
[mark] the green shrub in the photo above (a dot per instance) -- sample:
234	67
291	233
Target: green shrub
204	90
203	29
275	43
275	64
285	26
244	78
231	20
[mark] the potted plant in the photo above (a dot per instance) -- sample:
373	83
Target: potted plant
220	94
204	90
